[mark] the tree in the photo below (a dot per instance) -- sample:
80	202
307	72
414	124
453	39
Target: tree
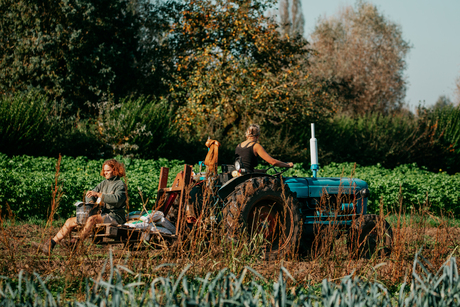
74	50
457	92
233	68
291	18
156	45
442	102
361	54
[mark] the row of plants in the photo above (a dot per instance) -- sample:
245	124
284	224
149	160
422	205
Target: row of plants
407	187
249	288
26	184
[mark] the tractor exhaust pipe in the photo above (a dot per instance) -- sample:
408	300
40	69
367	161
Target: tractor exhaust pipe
314	152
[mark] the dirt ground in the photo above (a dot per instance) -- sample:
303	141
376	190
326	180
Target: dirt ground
68	266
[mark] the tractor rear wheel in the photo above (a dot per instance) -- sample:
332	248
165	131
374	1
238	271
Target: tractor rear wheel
264	206
369	235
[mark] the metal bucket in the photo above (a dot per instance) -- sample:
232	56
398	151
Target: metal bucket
84	211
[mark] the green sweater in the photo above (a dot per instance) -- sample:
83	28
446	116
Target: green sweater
113	197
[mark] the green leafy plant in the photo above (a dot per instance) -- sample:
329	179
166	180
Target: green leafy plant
25	183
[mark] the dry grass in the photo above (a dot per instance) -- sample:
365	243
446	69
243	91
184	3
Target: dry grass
209	251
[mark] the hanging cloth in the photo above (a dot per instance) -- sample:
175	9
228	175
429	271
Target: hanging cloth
212	156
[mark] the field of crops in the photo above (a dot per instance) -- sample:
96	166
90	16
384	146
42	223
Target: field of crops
26	184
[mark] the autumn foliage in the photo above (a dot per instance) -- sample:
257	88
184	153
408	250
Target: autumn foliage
233	68
362	55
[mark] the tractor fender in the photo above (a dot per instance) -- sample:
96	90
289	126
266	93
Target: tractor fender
230	185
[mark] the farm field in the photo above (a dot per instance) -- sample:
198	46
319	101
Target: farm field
66	272
413	206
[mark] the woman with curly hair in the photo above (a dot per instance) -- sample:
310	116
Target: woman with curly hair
111	194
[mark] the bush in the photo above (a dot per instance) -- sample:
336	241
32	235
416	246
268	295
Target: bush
32	124
140	127
147	127
430	139
135	127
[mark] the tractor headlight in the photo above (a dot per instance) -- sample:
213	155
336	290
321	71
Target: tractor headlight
237	165
365	193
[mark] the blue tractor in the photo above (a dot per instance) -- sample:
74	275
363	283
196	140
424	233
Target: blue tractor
292	212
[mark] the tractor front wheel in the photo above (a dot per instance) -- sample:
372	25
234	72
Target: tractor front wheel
368	235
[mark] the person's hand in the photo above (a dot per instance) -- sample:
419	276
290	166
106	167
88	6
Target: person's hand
290	164
93	194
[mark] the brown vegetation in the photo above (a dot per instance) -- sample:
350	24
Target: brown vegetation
362	54
209	250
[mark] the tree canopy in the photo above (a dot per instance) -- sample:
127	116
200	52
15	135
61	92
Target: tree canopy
233	68
457	92
443	102
292	21
75	50
361	53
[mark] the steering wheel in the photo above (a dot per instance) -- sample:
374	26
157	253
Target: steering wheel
277	171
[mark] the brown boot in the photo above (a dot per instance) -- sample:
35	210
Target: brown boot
46	247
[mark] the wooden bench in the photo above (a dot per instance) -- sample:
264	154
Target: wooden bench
108	234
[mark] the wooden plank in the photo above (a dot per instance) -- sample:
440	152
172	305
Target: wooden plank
186	181
103	240
103	224
111	230
187	175
163	178
173	189
106	229
102	235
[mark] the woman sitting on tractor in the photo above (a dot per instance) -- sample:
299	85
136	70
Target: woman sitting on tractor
110	194
249	150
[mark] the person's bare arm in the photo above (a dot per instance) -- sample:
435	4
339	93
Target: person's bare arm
260	151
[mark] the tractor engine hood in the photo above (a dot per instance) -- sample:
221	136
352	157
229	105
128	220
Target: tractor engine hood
307	188
315	187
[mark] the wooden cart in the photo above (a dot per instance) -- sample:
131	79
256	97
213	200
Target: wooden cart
167	198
